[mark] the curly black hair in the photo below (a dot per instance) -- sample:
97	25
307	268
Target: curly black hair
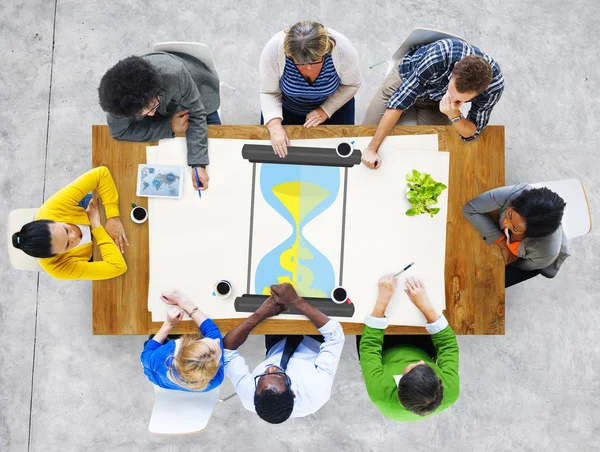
273	406
128	87
542	210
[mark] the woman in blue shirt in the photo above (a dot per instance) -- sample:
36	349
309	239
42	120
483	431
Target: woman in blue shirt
309	75
192	363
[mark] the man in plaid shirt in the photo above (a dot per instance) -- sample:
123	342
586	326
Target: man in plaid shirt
435	80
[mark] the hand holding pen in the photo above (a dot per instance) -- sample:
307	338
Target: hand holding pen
200	179
387	285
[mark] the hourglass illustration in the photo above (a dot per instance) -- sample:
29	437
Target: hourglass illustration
299	194
308	192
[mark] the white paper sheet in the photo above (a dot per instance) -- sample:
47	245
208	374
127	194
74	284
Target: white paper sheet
196	242
381	239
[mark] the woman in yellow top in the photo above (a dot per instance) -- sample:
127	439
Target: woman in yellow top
61	235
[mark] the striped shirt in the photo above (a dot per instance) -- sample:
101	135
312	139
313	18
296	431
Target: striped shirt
426	72
301	97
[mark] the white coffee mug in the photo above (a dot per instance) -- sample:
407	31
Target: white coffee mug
223	289
339	295
139	209
344	149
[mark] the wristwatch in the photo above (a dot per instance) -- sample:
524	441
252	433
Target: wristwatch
458	118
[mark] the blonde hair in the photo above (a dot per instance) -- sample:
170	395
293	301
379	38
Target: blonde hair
307	42
195	364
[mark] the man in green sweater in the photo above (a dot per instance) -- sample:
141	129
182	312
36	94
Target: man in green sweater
409	378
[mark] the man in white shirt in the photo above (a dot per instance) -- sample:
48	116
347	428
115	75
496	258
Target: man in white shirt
296	377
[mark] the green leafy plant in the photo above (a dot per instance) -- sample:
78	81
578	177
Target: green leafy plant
423	192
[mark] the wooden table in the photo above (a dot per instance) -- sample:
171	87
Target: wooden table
474	271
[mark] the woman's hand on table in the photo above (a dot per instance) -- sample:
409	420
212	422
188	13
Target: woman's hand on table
315	117
93	213
279	138
114	227
174	315
176	299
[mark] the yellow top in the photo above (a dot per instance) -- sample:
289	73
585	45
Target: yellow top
63	207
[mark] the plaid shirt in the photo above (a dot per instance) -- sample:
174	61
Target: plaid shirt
426	73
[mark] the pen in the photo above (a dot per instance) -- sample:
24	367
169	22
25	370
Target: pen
404	269
198	182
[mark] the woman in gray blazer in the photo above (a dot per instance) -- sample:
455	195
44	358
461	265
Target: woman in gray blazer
528	232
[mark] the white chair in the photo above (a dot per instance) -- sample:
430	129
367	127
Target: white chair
196	50
417	37
577	218
17	258
179	412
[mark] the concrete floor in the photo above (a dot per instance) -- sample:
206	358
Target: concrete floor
62	389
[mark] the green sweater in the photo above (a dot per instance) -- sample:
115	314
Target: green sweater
379	369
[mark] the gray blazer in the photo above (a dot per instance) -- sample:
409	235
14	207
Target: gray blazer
534	253
187	84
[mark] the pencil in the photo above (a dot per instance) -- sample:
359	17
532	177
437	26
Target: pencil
404	269
198	182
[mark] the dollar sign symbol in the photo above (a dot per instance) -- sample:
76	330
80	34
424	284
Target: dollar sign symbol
302	276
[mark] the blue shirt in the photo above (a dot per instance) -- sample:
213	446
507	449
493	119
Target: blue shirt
156	359
300	97
426	72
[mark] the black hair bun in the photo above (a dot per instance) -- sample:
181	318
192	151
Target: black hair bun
15	240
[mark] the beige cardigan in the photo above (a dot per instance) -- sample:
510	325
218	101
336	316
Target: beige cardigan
272	64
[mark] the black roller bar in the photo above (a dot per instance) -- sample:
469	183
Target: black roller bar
250	303
298	155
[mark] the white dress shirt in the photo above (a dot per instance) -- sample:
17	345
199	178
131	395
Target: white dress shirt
311	370
381	323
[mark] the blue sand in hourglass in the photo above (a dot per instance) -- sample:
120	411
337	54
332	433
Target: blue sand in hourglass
299	194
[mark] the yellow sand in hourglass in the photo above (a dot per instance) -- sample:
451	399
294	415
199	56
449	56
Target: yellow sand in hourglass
299	198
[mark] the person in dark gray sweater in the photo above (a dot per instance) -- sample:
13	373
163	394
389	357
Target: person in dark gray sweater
159	94
528	232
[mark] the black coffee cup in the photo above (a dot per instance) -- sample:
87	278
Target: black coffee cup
223	289
139	214
344	149
339	295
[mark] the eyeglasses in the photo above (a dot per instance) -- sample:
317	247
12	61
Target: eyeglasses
288	381
138	117
310	64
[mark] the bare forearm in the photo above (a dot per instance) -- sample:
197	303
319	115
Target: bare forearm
379	309
274	123
238	335
387	123
197	316
162	334
465	128
314	315
430	314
